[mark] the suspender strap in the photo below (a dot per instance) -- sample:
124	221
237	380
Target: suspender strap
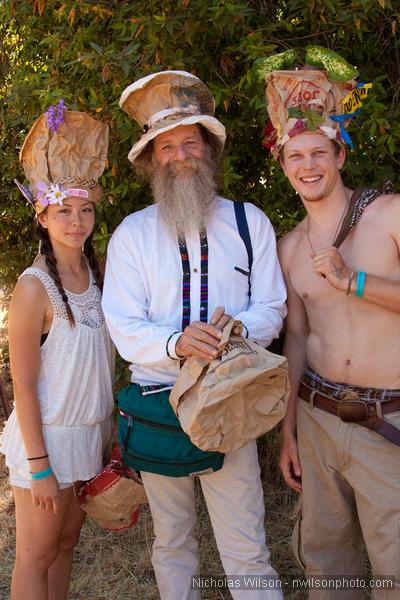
186	280
244	233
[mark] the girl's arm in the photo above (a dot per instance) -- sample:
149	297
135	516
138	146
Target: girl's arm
30	308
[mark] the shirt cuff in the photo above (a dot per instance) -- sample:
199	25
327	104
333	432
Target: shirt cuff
171	344
245	332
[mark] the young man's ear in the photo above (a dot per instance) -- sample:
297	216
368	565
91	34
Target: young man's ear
341	157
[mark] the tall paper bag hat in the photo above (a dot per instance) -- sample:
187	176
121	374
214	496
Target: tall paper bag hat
321	97
64	154
162	101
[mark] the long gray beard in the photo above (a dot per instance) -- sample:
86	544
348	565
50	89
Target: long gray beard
185	194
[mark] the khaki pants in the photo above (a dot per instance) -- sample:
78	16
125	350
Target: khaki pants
351	490
235	502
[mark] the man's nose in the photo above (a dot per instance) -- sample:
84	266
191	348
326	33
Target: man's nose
180	152
309	161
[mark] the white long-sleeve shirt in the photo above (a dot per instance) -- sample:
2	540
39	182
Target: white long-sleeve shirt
142	296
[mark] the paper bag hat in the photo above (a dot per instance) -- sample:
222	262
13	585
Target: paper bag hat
162	101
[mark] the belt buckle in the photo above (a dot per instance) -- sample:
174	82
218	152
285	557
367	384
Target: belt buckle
351	409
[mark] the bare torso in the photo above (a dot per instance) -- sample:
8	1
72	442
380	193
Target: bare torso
351	340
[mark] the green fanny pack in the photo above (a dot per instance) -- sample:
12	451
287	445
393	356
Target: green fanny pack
152	439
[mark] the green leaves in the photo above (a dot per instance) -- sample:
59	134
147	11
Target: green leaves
336	67
264	66
88	51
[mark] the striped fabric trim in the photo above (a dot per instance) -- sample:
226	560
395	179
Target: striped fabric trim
317	381
203	277
185	283
186	280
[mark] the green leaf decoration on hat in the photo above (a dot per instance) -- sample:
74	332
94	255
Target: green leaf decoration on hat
295	113
264	66
336	67
313	119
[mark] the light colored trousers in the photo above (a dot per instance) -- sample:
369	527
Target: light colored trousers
235	502
351	490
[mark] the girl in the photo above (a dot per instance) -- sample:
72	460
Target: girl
60	353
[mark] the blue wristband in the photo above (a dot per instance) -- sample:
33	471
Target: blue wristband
41	474
360	282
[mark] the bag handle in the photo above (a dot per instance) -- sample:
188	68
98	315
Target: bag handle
227	332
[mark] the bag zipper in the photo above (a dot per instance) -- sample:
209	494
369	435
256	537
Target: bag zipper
132	418
154	460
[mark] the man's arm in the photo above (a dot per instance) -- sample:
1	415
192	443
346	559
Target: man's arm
264	317
383	292
136	337
329	263
297	330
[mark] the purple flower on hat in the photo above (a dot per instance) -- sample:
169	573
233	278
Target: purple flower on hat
54	115
41	192
52	193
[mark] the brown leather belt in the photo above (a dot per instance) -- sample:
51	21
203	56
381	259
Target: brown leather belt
352	409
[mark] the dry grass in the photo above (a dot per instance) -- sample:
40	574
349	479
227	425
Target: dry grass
117	566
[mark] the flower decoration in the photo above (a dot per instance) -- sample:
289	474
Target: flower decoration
55	115
25	192
330	133
50	194
269	136
300	127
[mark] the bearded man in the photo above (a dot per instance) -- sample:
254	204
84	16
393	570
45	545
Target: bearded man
175	273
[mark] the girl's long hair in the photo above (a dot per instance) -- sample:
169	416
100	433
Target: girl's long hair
47	250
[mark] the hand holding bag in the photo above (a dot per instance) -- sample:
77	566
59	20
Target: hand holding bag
224	404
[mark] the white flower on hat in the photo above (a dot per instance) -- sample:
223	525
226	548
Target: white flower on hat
56	194
51	194
328	131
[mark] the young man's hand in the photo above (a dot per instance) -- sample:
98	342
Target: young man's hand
328	263
289	461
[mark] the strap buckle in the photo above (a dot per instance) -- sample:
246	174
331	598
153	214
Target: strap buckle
351	409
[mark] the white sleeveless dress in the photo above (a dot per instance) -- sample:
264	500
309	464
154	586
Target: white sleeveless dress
75	388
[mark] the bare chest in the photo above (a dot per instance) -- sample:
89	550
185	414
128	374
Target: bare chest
369	247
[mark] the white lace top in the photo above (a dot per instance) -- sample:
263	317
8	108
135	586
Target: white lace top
74	388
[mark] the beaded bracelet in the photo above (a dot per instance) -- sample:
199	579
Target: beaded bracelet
41	474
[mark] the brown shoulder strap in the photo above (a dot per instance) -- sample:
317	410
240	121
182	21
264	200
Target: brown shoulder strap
360	199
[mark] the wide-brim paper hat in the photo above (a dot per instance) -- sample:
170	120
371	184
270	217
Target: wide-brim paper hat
162	101
64	158
310	99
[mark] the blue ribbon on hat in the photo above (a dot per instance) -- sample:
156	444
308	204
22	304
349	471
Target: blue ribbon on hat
341	119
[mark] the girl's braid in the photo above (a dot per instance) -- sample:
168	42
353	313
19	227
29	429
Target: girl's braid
93	262
47	250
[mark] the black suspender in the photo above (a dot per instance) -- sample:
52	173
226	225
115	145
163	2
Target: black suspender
244	233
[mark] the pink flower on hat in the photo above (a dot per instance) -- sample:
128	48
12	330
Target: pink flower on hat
299	127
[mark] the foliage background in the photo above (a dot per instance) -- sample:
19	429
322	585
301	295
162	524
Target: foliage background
87	52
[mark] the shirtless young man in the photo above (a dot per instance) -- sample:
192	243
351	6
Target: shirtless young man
342	335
